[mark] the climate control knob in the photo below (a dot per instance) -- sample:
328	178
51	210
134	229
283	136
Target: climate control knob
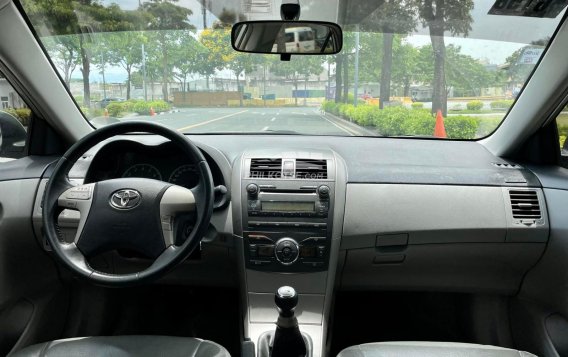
286	251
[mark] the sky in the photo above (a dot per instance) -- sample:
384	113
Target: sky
492	38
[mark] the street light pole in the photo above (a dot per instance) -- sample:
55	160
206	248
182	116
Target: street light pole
356	79
143	61
328	81
204	13
103	72
144	73
264	83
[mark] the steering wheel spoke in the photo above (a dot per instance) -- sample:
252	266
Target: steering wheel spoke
176	200
78	198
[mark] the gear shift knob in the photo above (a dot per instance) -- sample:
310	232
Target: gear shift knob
286	300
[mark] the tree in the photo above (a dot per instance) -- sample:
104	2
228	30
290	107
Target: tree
342	67
463	73
79	20
370	56
64	51
216	55
165	18
404	69
440	16
186	58
125	49
60	18
393	16
517	71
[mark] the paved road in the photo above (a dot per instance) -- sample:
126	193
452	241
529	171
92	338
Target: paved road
229	120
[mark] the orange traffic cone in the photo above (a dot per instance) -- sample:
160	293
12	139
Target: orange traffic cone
106	113
152	112
439	129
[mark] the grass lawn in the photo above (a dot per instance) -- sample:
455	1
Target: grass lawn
488	124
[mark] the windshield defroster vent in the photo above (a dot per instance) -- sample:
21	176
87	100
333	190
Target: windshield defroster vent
525	204
505	165
266	168
311	169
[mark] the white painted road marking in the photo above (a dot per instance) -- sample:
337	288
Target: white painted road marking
273	119
210	121
345	129
265	128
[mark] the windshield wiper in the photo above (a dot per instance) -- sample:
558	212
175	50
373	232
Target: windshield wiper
267	131
282	132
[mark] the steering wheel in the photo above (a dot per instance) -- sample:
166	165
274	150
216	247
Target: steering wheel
143	215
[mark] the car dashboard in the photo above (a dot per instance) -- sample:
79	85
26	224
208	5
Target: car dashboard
317	215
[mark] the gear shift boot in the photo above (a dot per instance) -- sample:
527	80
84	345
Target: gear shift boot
266	340
286	341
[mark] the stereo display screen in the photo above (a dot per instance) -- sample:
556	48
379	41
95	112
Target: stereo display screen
285	206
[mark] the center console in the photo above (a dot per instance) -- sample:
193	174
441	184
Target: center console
288	224
289	217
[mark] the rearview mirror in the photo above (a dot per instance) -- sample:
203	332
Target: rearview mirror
287	37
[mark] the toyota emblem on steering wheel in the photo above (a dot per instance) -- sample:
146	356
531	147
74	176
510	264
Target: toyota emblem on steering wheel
125	199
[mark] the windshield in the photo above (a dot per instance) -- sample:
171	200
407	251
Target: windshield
408	68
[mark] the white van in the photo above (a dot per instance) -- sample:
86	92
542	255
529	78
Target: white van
300	39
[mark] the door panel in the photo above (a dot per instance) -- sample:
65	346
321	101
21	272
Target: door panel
31	293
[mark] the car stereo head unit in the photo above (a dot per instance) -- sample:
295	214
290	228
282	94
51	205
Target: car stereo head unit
272	202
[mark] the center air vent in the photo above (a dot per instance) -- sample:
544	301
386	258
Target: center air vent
525	204
266	168
311	169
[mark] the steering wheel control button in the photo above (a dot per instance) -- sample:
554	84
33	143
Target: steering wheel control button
124	199
68	203
167	223
286	251
79	193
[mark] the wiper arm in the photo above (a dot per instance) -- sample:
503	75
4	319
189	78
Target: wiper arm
267	131
282	132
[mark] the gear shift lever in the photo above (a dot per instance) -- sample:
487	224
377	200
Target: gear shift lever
288	341
286	300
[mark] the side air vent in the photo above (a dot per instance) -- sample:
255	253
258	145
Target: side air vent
266	168
311	169
525	204
505	165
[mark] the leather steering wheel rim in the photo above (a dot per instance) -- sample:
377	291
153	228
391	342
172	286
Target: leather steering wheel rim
58	185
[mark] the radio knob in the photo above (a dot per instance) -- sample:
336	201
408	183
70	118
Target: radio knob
252	189
323	191
286	251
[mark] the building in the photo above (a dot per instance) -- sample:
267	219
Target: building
8	96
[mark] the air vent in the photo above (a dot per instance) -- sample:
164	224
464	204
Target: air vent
311	169
266	168
525	204
505	165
